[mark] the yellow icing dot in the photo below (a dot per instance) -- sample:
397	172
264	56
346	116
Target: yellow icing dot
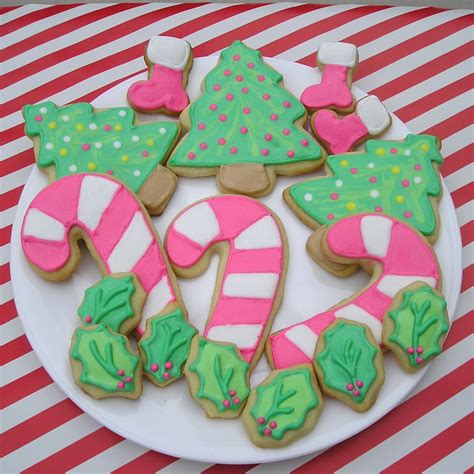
125	158
396	169
52	124
425	147
400	199
79	127
351	206
150	142
91	166
118	127
344	163
63	152
380	151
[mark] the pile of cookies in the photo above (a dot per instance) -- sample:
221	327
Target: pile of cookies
374	209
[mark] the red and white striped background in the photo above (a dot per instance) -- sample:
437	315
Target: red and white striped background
418	61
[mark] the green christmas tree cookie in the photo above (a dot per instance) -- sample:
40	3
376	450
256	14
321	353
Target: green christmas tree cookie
79	139
103	363
245	128
416	325
283	408
398	178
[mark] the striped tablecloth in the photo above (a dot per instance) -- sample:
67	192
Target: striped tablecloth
418	61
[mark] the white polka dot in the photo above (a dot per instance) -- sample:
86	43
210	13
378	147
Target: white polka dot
137	173
339	183
122	113
374	193
49	146
162	130
73	168
417	180
135	138
43	110
65	118
93	126
67	138
371	165
117	144
407	152
308	197
98	145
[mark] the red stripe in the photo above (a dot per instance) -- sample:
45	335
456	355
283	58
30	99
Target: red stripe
14	349
149	462
467	278
8	312
38	425
10	198
467	233
435	449
405	414
458	160
459	330
229	469
8	9
469	471
77	453
463	195
18	161
453	124
4	273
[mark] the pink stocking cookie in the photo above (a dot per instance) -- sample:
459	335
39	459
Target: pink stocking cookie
169	61
337	62
341	135
252	245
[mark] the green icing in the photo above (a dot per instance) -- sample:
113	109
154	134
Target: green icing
129	152
103	355
167	341
348	359
392	177
284	402
210	140
419	322
221	370
109	302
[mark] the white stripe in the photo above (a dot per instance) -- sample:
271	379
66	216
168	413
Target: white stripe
157	300
356	313
262	234
94	198
11	331
16	179
132	246
282	466
460	178
457	461
7	217
468	255
5	254
304	338
19	367
40	225
376	233
464	303
465	213
458	140
184	466
242	335
21	11
250	285
6	293
390	284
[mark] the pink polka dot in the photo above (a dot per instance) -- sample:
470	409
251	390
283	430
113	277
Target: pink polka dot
334	196
378	208
268	137
407	214
201	126
213	107
373	179
418	167
233	150
145	153
88	319
244	130
354	170
266	96
223	117
227	72
393	151
39	118
265	152
239	78
245	90
330	217
290	153
287	104
405	183
203	146
229	96
217	87
107	128
261	77
222	141
250	65
274	117
86	146
286	131
304	142
236	57
191	155
246	110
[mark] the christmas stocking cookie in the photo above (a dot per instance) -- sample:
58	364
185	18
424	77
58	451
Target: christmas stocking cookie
341	135
337	62
169	61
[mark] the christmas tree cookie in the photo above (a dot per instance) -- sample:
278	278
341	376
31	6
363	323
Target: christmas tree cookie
79	139
245	128
398	178
416	325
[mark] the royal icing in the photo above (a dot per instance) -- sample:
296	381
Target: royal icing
77	139
407	258
336	60
117	229
419	323
244	116
167	51
253	271
398	178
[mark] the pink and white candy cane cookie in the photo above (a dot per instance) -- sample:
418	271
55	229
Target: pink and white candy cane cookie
341	135
337	62
252	245
396	255
115	227
169	61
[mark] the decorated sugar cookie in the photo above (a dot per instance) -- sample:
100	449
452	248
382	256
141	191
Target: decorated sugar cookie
416	325
337	62
398	178
394	253
169	61
245	128
103	363
78	139
251	243
343	134
218	377
349	364
283	408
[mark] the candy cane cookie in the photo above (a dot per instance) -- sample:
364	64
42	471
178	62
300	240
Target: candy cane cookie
253	249
396	255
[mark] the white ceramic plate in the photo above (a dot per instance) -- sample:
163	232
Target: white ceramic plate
168	420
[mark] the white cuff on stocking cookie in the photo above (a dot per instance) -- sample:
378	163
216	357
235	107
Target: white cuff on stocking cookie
338	54
168	52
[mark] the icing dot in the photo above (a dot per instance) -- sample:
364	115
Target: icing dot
162	130
266	96
65	118
419	360
261	77
222	141
226	403
356	393
137	173
308	197
344	163
261	420
109	172
250	65
399	199
304	142
107	128
125	158
145	153
91	166
128	379
217	87
239	78
79	127
405	183
418	167
425	147
168	365
380	151
203	146
374	193
150	142
223	117
227	72
118	127
246	110
154	367
407	152
393	151
166	375
330	217
121	384
92	126
272	425
286	131
73	168
52	125
98	145
339	183
410	350
378	208
334	196
49	146
273	117
350	387
419	350
120	372
236	57
88	319
245	90
417	180
395	169
67	138
371	165
122	113
243	130
135	138
268	137
229	96
213	107
287	104
267	431
86	146
43	110
373	179
265	151
354	170
117	144
39	118
407	214
351	206
236	400
233	150
63	152
290	153
359	383
201	126
232	393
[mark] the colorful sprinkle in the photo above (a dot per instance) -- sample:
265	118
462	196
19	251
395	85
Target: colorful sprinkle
239	78
405	183
330	217
88	319
226	403
250	65
408	214
308	197
339	183
425	147
168	365
121	385
191	155
245	90
359	383
261	77
378	209
334	196
267	431
63	151
217	87
418	167
266	96
202	126
227	72
229	96
236	400
265	151
373	179
145	153
287	104
393	151
350	387
222	141
268	137
232	393
203	146
213	107
419	360
137	173
233	150
351	206
286	131
399	199
118	128
344	163
246	110
374	193
125	158
236	57
354	170
356	393
419	350
395	169
79	127
304	142
261	420
49	146
244	130
222	117
290	153
272	425
39	118
93	126
86	146
154	367
273	116
380	151
107	128
121	373
52	125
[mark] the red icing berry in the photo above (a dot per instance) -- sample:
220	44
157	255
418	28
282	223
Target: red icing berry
354	170
356	393
393	151
213	107
191	155
227	72
233	150
373	179
239	78
86	146
273	116
272	425
232	393
261	77
38	118
419	360
244	130
261	420
88	319
304	142
290	153
201	126
405	183
334	196
222	141
410	350
265	152
266	96
236	400
121	372
223	117
267	432
168	365
145	153
107	128
419	349
245	90
229	96
418	167
226	403
359	383
268	136
246	110
121	384
154	367
128	379
166	375
350	387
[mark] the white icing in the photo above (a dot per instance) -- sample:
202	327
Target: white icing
169	52
159	296
132	245
308	197
376	233
95	197
341	54
391	284
262	234
242	335
373	114
304	338
251	285
356	313
198	223
40	225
